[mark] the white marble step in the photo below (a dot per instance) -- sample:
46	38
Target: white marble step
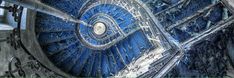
5	27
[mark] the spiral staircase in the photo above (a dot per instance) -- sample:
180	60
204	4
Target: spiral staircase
126	38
